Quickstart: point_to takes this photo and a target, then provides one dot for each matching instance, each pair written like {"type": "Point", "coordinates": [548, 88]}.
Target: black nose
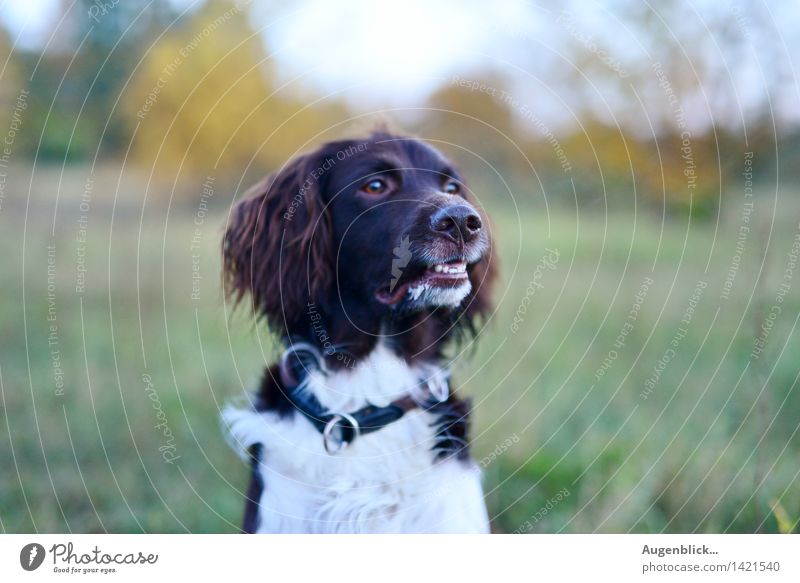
{"type": "Point", "coordinates": [459, 222]}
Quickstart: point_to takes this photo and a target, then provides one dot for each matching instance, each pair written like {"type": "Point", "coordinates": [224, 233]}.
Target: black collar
{"type": "Point", "coordinates": [341, 429]}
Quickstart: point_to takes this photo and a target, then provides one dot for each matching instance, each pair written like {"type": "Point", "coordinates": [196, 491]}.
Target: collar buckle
{"type": "Point", "coordinates": [430, 391]}
{"type": "Point", "coordinates": [333, 436]}
{"type": "Point", "coordinates": [438, 387]}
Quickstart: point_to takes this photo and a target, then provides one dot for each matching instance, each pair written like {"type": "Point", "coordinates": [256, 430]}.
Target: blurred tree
{"type": "Point", "coordinates": [75, 81]}
{"type": "Point", "coordinates": [470, 103]}
{"type": "Point", "coordinates": [473, 113]}
{"type": "Point", "coordinates": [205, 100]}
{"type": "Point", "coordinates": [113, 40]}
{"type": "Point", "coordinates": [667, 171]}
{"type": "Point", "coordinates": [641, 80]}
{"type": "Point", "coordinates": [9, 76]}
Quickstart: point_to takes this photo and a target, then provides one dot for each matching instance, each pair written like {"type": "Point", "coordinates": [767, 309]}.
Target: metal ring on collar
{"type": "Point", "coordinates": [332, 445]}
{"type": "Point", "coordinates": [287, 374]}
{"type": "Point", "coordinates": [438, 388]}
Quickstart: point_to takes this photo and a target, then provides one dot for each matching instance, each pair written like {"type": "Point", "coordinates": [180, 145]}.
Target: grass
{"type": "Point", "coordinates": [712, 448]}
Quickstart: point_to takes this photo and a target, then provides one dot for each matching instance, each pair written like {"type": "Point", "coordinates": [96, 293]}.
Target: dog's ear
{"type": "Point", "coordinates": [277, 246]}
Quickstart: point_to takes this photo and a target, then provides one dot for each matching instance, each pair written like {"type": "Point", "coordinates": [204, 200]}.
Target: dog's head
{"type": "Point", "coordinates": [364, 231]}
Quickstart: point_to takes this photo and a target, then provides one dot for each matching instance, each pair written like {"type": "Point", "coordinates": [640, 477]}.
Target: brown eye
{"type": "Point", "coordinates": [375, 186]}
{"type": "Point", "coordinates": [452, 187]}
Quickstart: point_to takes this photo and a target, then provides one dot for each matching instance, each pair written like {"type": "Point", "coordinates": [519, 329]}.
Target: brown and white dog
{"type": "Point", "coordinates": [367, 258]}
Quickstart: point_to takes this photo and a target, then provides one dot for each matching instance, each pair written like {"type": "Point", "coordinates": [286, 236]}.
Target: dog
{"type": "Point", "coordinates": [368, 259]}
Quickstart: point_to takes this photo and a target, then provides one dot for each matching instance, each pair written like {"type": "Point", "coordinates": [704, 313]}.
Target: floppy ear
{"type": "Point", "coordinates": [277, 246]}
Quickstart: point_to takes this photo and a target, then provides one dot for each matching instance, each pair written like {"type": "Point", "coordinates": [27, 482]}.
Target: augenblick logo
{"type": "Point", "coordinates": [67, 560]}
{"type": "Point", "coordinates": [681, 550]}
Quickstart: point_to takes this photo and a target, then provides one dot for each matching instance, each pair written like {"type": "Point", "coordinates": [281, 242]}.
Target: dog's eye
{"type": "Point", "coordinates": [375, 186]}
{"type": "Point", "coordinates": [452, 187]}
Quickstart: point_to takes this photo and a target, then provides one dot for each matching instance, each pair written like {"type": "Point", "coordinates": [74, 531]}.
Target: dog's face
{"type": "Point", "coordinates": [406, 237]}
{"type": "Point", "coordinates": [368, 229]}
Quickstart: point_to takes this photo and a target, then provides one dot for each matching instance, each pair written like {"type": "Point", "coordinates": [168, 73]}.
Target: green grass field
{"type": "Point", "coordinates": [102, 384]}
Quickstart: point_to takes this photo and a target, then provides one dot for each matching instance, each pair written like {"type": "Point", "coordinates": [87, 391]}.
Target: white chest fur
{"type": "Point", "coordinates": [385, 482]}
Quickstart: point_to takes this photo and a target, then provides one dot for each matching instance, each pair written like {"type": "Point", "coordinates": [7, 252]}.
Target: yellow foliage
{"type": "Point", "coordinates": [203, 101]}
{"type": "Point", "coordinates": [785, 524]}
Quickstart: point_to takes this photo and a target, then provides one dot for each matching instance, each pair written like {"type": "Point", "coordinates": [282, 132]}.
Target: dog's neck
{"type": "Point", "coordinates": [379, 378]}
{"type": "Point", "coordinates": [348, 335]}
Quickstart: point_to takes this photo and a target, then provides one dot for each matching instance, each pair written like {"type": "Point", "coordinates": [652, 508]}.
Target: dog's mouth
{"type": "Point", "coordinates": [451, 273]}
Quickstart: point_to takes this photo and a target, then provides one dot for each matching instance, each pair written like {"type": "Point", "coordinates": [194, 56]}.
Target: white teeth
{"type": "Point", "coordinates": [451, 268]}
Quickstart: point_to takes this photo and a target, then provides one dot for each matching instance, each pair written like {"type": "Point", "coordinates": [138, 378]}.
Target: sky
{"type": "Point", "coordinates": [392, 53]}
{"type": "Point", "coordinates": [28, 20]}
{"type": "Point", "coordinates": [398, 50]}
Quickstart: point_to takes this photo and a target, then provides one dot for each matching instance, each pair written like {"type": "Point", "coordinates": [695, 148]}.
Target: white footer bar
{"type": "Point", "coordinates": [408, 558]}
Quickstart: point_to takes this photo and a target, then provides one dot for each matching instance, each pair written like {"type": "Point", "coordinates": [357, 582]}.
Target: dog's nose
{"type": "Point", "coordinates": [459, 222]}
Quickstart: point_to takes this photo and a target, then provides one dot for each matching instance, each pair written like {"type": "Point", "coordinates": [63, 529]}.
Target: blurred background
{"type": "Point", "coordinates": [641, 167]}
